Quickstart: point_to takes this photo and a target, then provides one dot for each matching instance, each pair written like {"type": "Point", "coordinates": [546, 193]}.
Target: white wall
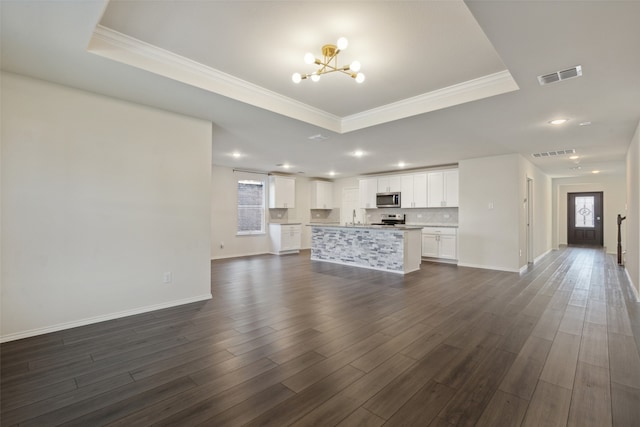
{"type": "Point", "coordinates": [613, 188]}
{"type": "Point", "coordinates": [224, 223]}
{"type": "Point", "coordinates": [488, 215]}
{"type": "Point", "coordinates": [541, 209]}
{"type": "Point", "coordinates": [99, 199]}
{"type": "Point", "coordinates": [632, 223]}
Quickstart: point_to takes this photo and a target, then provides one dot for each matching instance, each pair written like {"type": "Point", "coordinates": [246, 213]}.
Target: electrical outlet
{"type": "Point", "coordinates": [490, 205]}
{"type": "Point", "coordinates": [167, 277]}
{"type": "Point", "coordinates": [419, 215]}
{"type": "Point", "coordinates": [317, 215]}
{"type": "Point", "coordinates": [279, 215]}
{"type": "Point", "coordinates": [221, 245]}
{"type": "Point", "coordinates": [447, 216]}
{"type": "Point", "coordinates": [520, 252]}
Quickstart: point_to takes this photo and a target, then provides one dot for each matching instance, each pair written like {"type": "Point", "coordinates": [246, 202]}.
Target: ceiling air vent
{"type": "Point", "coordinates": [318, 137]}
{"type": "Point", "coordinates": [557, 76]}
{"type": "Point", "coordinates": [553, 153]}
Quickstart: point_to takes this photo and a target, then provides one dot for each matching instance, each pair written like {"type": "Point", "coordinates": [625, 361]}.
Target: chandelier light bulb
{"type": "Point", "coordinates": [355, 66]}
{"type": "Point", "coordinates": [315, 77]}
{"type": "Point", "coordinates": [309, 58]}
{"type": "Point", "coordinates": [342, 43]}
{"type": "Point", "coordinates": [359, 77]}
{"type": "Point", "coordinates": [297, 78]}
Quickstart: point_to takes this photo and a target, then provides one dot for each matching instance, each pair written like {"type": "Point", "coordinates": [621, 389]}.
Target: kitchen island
{"type": "Point", "coordinates": [396, 249]}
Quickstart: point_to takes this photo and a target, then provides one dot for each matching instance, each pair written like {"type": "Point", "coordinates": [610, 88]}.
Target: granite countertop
{"type": "Point", "coordinates": [435, 224]}
{"type": "Point", "coordinates": [372, 227]}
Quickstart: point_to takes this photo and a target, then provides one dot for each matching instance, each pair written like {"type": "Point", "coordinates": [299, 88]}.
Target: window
{"type": "Point", "coordinates": [584, 211]}
{"type": "Point", "coordinates": [251, 205]}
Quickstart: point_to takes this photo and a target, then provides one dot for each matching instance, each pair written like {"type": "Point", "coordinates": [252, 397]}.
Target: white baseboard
{"type": "Point", "coordinates": [489, 267]}
{"type": "Point", "coordinates": [83, 322]}
{"type": "Point", "coordinates": [633, 286]}
{"type": "Point", "coordinates": [238, 255]}
{"type": "Point", "coordinates": [538, 258]}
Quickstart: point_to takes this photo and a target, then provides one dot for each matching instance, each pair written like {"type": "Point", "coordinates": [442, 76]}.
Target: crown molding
{"type": "Point", "coordinates": [128, 50]}
{"type": "Point", "coordinates": [472, 90]}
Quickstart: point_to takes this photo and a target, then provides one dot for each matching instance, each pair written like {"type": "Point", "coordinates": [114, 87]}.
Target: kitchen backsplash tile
{"type": "Point", "coordinates": [325, 215]}
{"type": "Point", "coordinates": [417, 216]}
{"type": "Point", "coordinates": [278, 215]}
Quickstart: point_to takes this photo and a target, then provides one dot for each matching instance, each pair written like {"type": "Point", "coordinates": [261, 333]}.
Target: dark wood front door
{"type": "Point", "coordinates": [584, 218]}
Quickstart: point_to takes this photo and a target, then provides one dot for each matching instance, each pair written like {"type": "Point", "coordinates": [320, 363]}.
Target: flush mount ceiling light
{"type": "Point", "coordinates": [558, 121]}
{"type": "Point", "coordinates": [358, 153]}
{"type": "Point", "coordinates": [329, 63]}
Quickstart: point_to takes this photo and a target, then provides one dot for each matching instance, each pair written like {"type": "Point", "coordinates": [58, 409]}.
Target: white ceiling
{"type": "Point", "coordinates": [446, 81]}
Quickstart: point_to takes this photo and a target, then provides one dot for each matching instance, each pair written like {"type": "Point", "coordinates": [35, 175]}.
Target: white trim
{"type": "Point", "coordinates": [128, 50]}
{"type": "Point", "coordinates": [539, 257]}
{"type": "Point", "coordinates": [239, 255]}
{"type": "Point", "coordinates": [472, 90]}
{"type": "Point", "coordinates": [102, 318]}
{"type": "Point", "coordinates": [131, 51]}
{"type": "Point", "coordinates": [490, 267]}
{"type": "Point", "coordinates": [633, 287]}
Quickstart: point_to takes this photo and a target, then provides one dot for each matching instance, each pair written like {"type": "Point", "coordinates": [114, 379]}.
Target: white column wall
{"type": "Point", "coordinates": [100, 199]}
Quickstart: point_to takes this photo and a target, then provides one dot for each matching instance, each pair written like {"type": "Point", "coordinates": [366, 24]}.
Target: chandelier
{"type": "Point", "coordinates": [329, 64]}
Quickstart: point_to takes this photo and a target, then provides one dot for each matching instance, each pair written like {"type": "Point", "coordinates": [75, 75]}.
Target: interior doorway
{"type": "Point", "coordinates": [529, 221]}
{"type": "Point", "coordinates": [585, 218]}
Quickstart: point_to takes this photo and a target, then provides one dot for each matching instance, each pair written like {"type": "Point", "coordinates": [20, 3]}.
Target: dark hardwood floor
{"type": "Point", "coordinates": [287, 341]}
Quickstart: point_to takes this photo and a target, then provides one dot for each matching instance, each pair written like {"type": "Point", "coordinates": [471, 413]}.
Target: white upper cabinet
{"type": "Point", "coordinates": [389, 184]}
{"type": "Point", "coordinates": [414, 191]}
{"type": "Point", "coordinates": [442, 189]}
{"type": "Point", "coordinates": [282, 192]}
{"type": "Point", "coordinates": [368, 189]}
{"type": "Point", "coordinates": [321, 195]}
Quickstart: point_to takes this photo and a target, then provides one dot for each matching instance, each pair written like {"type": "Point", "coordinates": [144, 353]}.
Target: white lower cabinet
{"type": "Point", "coordinates": [285, 238]}
{"type": "Point", "coordinates": [440, 242]}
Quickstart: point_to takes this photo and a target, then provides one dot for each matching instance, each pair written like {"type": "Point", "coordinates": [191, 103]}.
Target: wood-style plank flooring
{"type": "Point", "coordinates": [287, 341]}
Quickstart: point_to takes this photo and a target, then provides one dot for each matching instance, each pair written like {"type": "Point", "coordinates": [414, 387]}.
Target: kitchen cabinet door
{"type": "Point", "coordinates": [282, 192]}
{"type": "Point", "coordinates": [435, 189]}
{"type": "Point", "coordinates": [389, 184]}
{"type": "Point", "coordinates": [448, 247]}
{"type": "Point", "coordinates": [430, 245]}
{"type": "Point", "coordinates": [285, 238]}
{"type": "Point", "coordinates": [451, 188]}
{"type": "Point", "coordinates": [321, 195]}
{"type": "Point", "coordinates": [414, 191]}
{"type": "Point", "coordinates": [368, 188]}
{"type": "Point", "coordinates": [406, 192]}
{"type": "Point", "coordinates": [442, 189]}
{"type": "Point", "coordinates": [420, 190]}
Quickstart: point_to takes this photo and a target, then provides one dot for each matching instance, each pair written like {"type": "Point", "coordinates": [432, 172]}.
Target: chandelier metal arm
{"type": "Point", "coordinates": [329, 65]}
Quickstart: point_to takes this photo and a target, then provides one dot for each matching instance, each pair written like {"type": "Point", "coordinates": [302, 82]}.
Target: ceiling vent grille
{"type": "Point", "coordinates": [558, 76]}
{"type": "Point", "coordinates": [553, 153]}
{"type": "Point", "coordinates": [318, 137]}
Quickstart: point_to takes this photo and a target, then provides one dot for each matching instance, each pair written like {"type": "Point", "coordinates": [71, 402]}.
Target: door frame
{"type": "Point", "coordinates": [529, 221]}
{"type": "Point", "coordinates": [571, 219]}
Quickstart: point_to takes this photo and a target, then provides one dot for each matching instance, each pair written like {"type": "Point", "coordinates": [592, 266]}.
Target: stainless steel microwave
{"type": "Point", "coordinates": [388, 200]}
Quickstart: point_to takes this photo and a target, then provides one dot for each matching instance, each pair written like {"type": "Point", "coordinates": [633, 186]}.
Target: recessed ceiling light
{"type": "Point", "coordinates": [595, 171]}
{"type": "Point", "coordinates": [236, 154]}
{"type": "Point", "coordinates": [585, 123]}
{"type": "Point", "coordinates": [401, 164]}
{"type": "Point", "coordinates": [576, 168]}
{"type": "Point", "coordinates": [558, 121]}
{"type": "Point", "coordinates": [574, 157]}
{"type": "Point", "coordinates": [332, 173]}
{"type": "Point", "coordinates": [286, 166]}
{"type": "Point", "coordinates": [358, 153]}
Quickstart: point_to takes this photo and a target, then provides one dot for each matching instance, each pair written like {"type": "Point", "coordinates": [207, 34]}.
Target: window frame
{"type": "Point", "coordinates": [262, 207]}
